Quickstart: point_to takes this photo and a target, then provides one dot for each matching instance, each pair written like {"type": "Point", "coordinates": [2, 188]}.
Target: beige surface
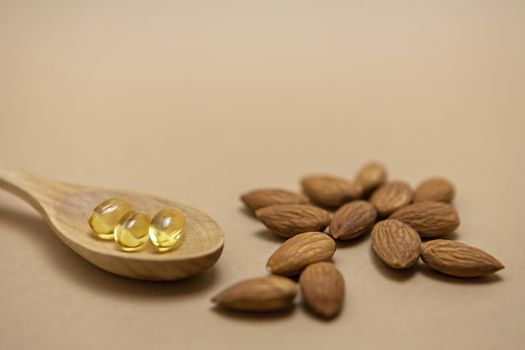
{"type": "Point", "coordinates": [201, 101]}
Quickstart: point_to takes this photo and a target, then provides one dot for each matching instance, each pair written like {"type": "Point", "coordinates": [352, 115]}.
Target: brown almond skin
{"type": "Point", "coordinates": [264, 294]}
{"type": "Point", "coordinates": [429, 219]}
{"type": "Point", "coordinates": [323, 289]}
{"type": "Point", "coordinates": [287, 220]}
{"type": "Point", "coordinates": [300, 251]}
{"type": "Point", "coordinates": [266, 197]}
{"type": "Point", "coordinates": [458, 259]}
{"type": "Point", "coordinates": [391, 196]}
{"type": "Point", "coordinates": [353, 220]}
{"type": "Point", "coordinates": [396, 244]}
{"type": "Point", "coordinates": [370, 177]}
{"type": "Point", "coordinates": [435, 189]}
{"type": "Point", "coordinates": [329, 191]}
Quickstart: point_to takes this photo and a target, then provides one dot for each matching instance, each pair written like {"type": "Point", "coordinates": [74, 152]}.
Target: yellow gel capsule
{"type": "Point", "coordinates": [167, 229]}
{"type": "Point", "coordinates": [131, 232]}
{"type": "Point", "coordinates": [107, 215]}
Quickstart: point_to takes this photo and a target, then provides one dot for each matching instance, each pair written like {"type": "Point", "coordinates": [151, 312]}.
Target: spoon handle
{"type": "Point", "coordinates": [39, 192]}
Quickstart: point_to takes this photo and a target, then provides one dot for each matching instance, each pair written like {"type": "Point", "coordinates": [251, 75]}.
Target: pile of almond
{"type": "Point", "coordinates": [397, 217]}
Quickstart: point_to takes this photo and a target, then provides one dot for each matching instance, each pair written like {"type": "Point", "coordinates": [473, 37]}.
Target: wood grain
{"type": "Point", "coordinates": [67, 207]}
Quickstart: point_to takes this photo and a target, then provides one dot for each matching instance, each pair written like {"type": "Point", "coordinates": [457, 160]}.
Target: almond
{"type": "Point", "coordinates": [353, 220]}
{"type": "Point", "coordinates": [429, 219]}
{"type": "Point", "coordinates": [287, 220]}
{"type": "Point", "coordinates": [265, 197]}
{"type": "Point", "coordinates": [323, 289]}
{"type": "Point", "coordinates": [458, 259]}
{"type": "Point", "coordinates": [262, 294]}
{"type": "Point", "coordinates": [329, 191]}
{"type": "Point", "coordinates": [391, 196]}
{"type": "Point", "coordinates": [396, 243]}
{"type": "Point", "coordinates": [435, 189]}
{"type": "Point", "coordinates": [300, 251]}
{"type": "Point", "coordinates": [370, 176]}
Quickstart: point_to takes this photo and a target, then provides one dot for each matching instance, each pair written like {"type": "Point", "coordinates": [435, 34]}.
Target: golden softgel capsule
{"type": "Point", "coordinates": [131, 232]}
{"type": "Point", "coordinates": [167, 229]}
{"type": "Point", "coordinates": [107, 215]}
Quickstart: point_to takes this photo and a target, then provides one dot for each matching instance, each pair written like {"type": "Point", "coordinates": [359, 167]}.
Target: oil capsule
{"type": "Point", "coordinates": [131, 232]}
{"type": "Point", "coordinates": [167, 229]}
{"type": "Point", "coordinates": [107, 215]}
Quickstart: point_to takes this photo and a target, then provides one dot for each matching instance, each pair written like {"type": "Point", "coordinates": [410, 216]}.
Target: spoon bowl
{"type": "Point", "coordinates": [67, 207]}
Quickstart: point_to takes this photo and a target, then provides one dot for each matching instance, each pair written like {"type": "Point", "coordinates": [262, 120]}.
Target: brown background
{"type": "Point", "coordinates": [199, 101]}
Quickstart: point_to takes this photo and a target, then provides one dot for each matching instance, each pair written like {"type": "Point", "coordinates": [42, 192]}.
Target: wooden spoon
{"type": "Point", "coordinates": [67, 207]}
